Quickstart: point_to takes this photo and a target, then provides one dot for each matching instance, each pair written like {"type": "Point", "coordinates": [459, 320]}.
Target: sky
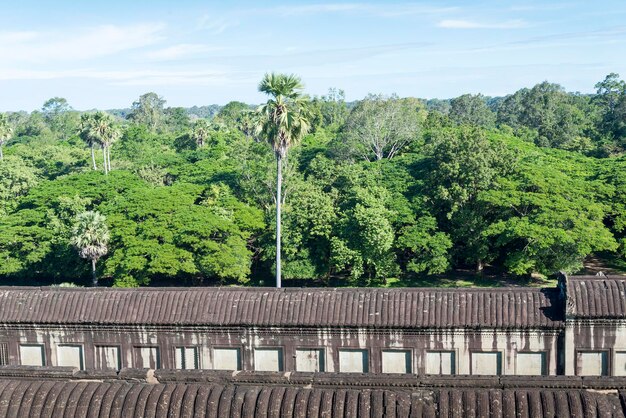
{"type": "Point", "coordinates": [105, 54]}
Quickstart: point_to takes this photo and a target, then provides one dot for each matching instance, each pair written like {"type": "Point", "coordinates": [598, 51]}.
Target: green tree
{"type": "Point", "coordinates": [181, 232]}
{"type": "Point", "coordinates": [16, 179]}
{"type": "Point", "coordinates": [177, 119]}
{"type": "Point", "coordinates": [330, 110]}
{"type": "Point", "coordinates": [461, 163]}
{"type": "Point", "coordinates": [6, 131]}
{"type": "Point", "coordinates": [363, 242]}
{"type": "Point", "coordinates": [548, 212]}
{"type": "Point", "coordinates": [472, 109]}
{"type": "Point", "coordinates": [232, 112]}
{"type": "Point", "coordinates": [59, 115]}
{"type": "Point", "coordinates": [424, 247]}
{"type": "Point", "coordinates": [555, 116]}
{"type": "Point", "coordinates": [88, 135]}
{"type": "Point", "coordinates": [611, 98]}
{"type": "Point", "coordinates": [90, 237]}
{"type": "Point", "coordinates": [309, 217]}
{"type": "Point", "coordinates": [148, 110]}
{"type": "Point", "coordinates": [201, 132]}
{"type": "Point", "coordinates": [381, 127]}
{"type": "Point", "coordinates": [101, 127]}
{"type": "Point", "coordinates": [284, 122]}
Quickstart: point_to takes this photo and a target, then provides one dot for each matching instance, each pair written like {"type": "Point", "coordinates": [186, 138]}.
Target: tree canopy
{"type": "Point", "coordinates": [378, 189]}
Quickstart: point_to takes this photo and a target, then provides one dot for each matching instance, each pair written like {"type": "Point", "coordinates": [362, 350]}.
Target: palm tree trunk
{"type": "Point", "coordinates": [93, 157]}
{"type": "Point", "coordinates": [279, 183]}
{"type": "Point", "coordinates": [94, 278]}
{"type": "Point", "coordinates": [104, 159]}
{"type": "Point", "coordinates": [1, 154]}
{"type": "Point", "coordinates": [109, 157]}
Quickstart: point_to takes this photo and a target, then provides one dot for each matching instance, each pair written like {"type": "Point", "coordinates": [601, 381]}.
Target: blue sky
{"type": "Point", "coordinates": [106, 54]}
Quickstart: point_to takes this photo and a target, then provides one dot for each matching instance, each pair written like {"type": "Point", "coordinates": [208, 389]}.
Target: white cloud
{"type": "Point", "coordinates": [321, 8]}
{"type": "Point", "coordinates": [385, 10]}
{"type": "Point", "coordinates": [20, 36]}
{"type": "Point", "coordinates": [215, 25]}
{"type": "Point", "coordinates": [140, 77]}
{"type": "Point", "coordinates": [540, 7]}
{"type": "Point", "coordinates": [79, 44]}
{"type": "Point", "coordinates": [470, 24]}
{"type": "Point", "coordinates": [179, 51]}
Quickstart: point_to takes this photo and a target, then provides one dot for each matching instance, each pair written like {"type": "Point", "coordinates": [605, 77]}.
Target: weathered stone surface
{"type": "Point", "coordinates": [84, 398]}
{"type": "Point", "coordinates": [517, 308]}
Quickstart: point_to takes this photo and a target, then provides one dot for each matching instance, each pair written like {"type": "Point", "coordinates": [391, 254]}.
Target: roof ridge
{"type": "Point", "coordinates": [284, 289]}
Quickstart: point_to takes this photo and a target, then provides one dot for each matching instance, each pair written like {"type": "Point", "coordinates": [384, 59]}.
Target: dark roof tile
{"type": "Point", "coordinates": [593, 297]}
{"type": "Point", "coordinates": [380, 308]}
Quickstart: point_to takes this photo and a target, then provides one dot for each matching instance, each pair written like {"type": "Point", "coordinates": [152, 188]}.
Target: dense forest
{"type": "Point", "coordinates": [385, 187]}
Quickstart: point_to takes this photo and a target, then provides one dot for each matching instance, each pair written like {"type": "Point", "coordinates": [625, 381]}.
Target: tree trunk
{"type": "Point", "coordinates": [94, 278]}
{"type": "Point", "coordinates": [104, 160]}
{"type": "Point", "coordinates": [93, 157]}
{"type": "Point", "coordinates": [109, 158]}
{"type": "Point", "coordinates": [1, 154]}
{"type": "Point", "coordinates": [479, 266]}
{"type": "Point", "coordinates": [279, 183]}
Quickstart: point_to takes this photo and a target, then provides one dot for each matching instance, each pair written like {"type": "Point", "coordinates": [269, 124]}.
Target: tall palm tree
{"type": "Point", "coordinates": [6, 131]}
{"type": "Point", "coordinates": [85, 132]}
{"type": "Point", "coordinates": [90, 236]}
{"type": "Point", "coordinates": [200, 132]}
{"type": "Point", "coordinates": [106, 131]}
{"type": "Point", "coordinates": [283, 121]}
{"type": "Point", "coordinates": [247, 123]}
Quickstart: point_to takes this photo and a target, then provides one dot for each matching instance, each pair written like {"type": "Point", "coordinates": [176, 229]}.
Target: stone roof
{"type": "Point", "coordinates": [298, 307]}
{"type": "Point", "coordinates": [69, 393]}
{"type": "Point", "coordinates": [596, 297]}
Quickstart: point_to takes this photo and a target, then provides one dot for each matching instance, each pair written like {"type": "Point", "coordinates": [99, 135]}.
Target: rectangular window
{"type": "Point", "coordinates": [353, 361]}
{"type": "Point", "coordinates": [309, 360]}
{"type": "Point", "coordinates": [531, 364]}
{"type": "Point", "coordinates": [620, 363]}
{"type": "Point", "coordinates": [32, 355]}
{"type": "Point", "coordinates": [592, 363]}
{"type": "Point", "coordinates": [440, 362]}
{"type": "Point", "coordinates": [396, 361]}
{"type": "Point", "coordinates": [187, 358]}
{"type": "Point", "coordinates": [107, 357]}
{"type": "Point", "coordinates": [268, 359]}
{"type": "Point", "coordinates": [147, 357]}
{"type": "Point", "coordinates": [70, 356]}
{"type": "Point", "coordinates": [4, 354]}
{"type": "Point", "coordinates": [227, 359]}
{"type": "Point", "coordinates": [486, 362]}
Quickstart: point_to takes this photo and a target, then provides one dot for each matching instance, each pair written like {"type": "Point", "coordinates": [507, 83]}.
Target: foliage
{"type": "Point", "coordinates": [90, 237]}
{"type": "Point", "coordinates": [611, 98]}
{"type": "Point", "coordinates": [6, 131]}
{"type": "Point", "coordinates": [283, 121]}
{"type": "Point", "coordinates": [472, 109]}
{"type": "Point", "coordinates": [148, 110]}
{"type": "Point", "coordinates": [380, 127]}
{"type": "Point", "coordinates": [381, 191]}
{"type": "Point", "coordinates": [16, 179]}
{"type": "Point", "coordinates": [100, 128]}
{"type": "Point", "coordinates": [557, 118]}
{"type": "Point", "coordinates": [200, 132]}
{"type": "Point", "coordinates": [549, 214]}
{"type": "Point", "coordinates": [284, 118]}
{"type": "Point", "coordinates": [60, 116]}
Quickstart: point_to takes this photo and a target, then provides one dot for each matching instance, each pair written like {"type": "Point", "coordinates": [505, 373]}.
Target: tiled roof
{"type": "Point", "coordinates": [72, 399]}
{"type": "Point", "coordinates": [596, 297]}
{"type": "Point", "coordinates": [532, 403]}
{"type": "Point", "coordinates": [103, 399]}
{"type": "Point", "coordinates": [303, 307]}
